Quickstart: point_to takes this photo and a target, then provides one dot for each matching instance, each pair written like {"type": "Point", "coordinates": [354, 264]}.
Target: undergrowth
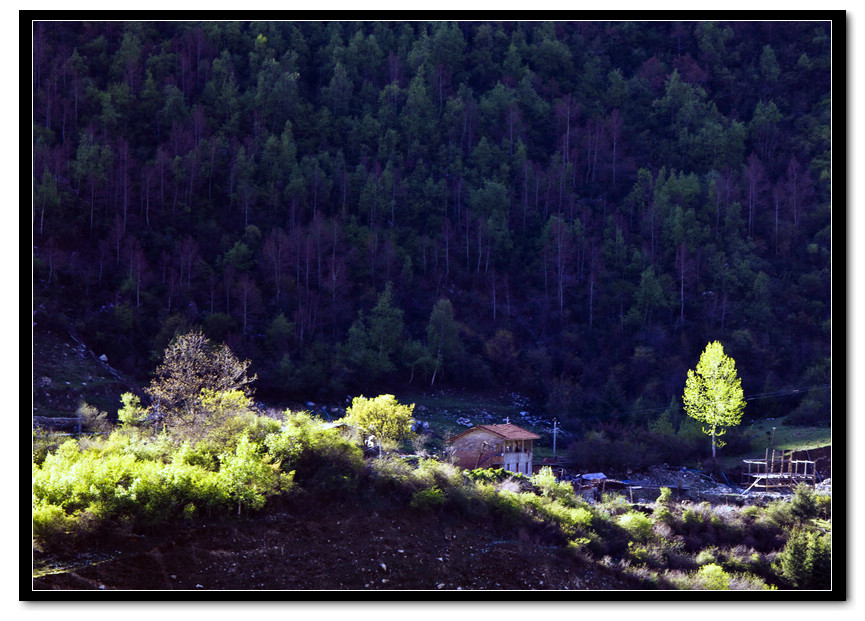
{"type": "Point", "coordinates": [135, 480]}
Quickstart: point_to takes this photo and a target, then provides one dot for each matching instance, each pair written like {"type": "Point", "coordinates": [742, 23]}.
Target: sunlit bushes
{"type": "Point", "coordinates": [638, 525]}
{"type": "Point", "coordinates": [134, 480]}
{"type": "Point", "coordinates": [572, 520]}
{"type": "Point", "coordinates": [709, 577]}
{"type": "Point", "coordinates": [73, 487]}
{"type": "Point", "coordinates": [324, 461]}
{"type": "Point", "coordinates": [138, 481]}
{"type": "Point", "coordinates": [713, 577]}
{"type": "Point", "coordinates": [547, 484]}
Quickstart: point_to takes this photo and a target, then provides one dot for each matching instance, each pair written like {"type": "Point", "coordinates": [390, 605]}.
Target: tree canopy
{"type": "Point", "coordinates": [593, 189]}
{"type": "Point", "coordinates": [382, 417]}
{"type": "Point", "coordinates": [198, 385]}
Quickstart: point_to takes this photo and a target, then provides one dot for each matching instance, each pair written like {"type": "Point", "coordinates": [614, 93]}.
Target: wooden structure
{"type": "Point", "coordinates": [783, 472]}
{"type": "Point", "coordinates": [495, 446]}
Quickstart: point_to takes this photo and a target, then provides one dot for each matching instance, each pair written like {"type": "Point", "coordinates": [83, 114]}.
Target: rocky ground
{"type": "Point", "coordinates": [66, 373]}
{"type": "Point", "coordinates": [341, 549]}
{"type": "Point", "coordinates": [700, 486]}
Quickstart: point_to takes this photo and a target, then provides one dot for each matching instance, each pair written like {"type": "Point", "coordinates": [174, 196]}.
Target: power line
{"type": "Point", "coordinates": [766, 395]}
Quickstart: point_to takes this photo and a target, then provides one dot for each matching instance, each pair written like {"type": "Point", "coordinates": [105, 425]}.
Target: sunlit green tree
{"type": "Point", "coordinates": [713, 393]}
{"type": "Point", "coordinates": [382, 417]}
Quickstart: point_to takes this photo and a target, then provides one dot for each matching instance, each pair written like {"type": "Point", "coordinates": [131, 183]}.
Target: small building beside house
{"type": "Point", "coordinates": [495, 446]}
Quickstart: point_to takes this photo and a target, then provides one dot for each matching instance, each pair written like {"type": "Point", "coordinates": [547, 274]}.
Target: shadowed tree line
{"type": "Point", "coordinates": [571, 210]}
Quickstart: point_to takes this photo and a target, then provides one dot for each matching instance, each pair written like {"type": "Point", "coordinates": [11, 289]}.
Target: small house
{"type": "Point", "coordinates": [495, 446]}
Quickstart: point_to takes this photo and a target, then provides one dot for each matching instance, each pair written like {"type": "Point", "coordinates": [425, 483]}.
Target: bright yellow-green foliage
{"type": "Point", "coordinates": [323, 459]}
{"type": "Point", "coordinates": [145, 482]}
{"type": "Point", "coordinates": [382, 417]}
{"type": "Point", "coordinates": [713, 393]}
{"type": "Point", "coordinates": [223, 403]}
{"type": "Point", "coordinates": [248, 477]}
{"type": "Point", "coordinates": [549, 486]}
{"type": "Point", "coordinates": [713, 577]}
{"type": "Point", "coordinates": [132, 412]}
{"type": "Point", "coordinates": [113, 483]}
{"type": "Point", "coordinates": [638, 525]}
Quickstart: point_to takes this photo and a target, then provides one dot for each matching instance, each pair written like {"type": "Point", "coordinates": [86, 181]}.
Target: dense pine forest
{"type": "Point", "coordinates": [570, 210]}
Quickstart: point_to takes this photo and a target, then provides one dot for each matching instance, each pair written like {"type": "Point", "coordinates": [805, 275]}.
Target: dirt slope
{"type": "Point", "coordinates": [345, 548]}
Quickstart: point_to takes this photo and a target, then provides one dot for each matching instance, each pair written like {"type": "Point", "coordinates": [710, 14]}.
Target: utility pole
{"type": "Point", "coordinates": [555, 429]}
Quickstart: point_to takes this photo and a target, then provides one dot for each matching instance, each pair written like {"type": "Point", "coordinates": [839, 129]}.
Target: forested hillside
{"type": "Point", "coordinates": [568, 210]}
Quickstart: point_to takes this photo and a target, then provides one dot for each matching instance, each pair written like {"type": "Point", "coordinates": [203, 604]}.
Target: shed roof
{"type": "Point", "coordinates": [507, 431]}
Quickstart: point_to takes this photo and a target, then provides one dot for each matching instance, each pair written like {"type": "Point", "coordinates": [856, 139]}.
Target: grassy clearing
{"type": "Point", "coordinates": [787, 438]}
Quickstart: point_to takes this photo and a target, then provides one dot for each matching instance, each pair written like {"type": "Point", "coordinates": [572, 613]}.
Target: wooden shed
{"type": "Point", "coordinates": [495, 446]}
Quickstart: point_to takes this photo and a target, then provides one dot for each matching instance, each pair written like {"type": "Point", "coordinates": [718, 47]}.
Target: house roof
{"type": "Point", "coordinates": [506, 432]}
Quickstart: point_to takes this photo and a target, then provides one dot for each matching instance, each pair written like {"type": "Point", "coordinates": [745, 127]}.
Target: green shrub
{"type": "Point", "coordinates": [323, 459]}
{"type": "Point", "coordinates": [819, 561]}
{"type": "Point", "coordinates": [663, 515]}
{"type": "Point", "coordinates": [744, 560]}
{"type": "Point", "coordinates": [744, 581]}
{"type": "Point", "coordinates": [546, 481]}
{"type": "Point", "coordinates": [707, 556]}
{"type": "Point", "coordinates": [51, 524]}
{"type": "Point", "coordinates": [791, 560]}
{"type": "Point", "coordinates": [646, 554]}
{"type": "Point", "coordinates": [248, 477]}
{"type": "Point", "coordinates": [638, 525]}
{"type": "Point", "coordinates": [112, 485]}
{"type": "Point", "coordinates": [435, 472]}
{"type": "Point", "coordinates": [45, 443]}
{"type": "Point", "coordinates": [666, 496]}
{"type": "Point", "coordinates": [494, 475]}
{"type": "Point", "coordinates": [132, 412]}
{"type": "Point", "coordinates": [428, 498]}
{"type": "Point", "coordinates": [613, 503]}
{"type": "Point", "coordinates": [712, 577]}
{"type": "Point", "coordinates": [143, 444]}
{"type": "Point", "coordinates": [780, 514]}
{"type": "Point", "coordinates": [224, 437]}
{"type": "Point", "coordinates": [507, 505]}
{"type": "Point", "coordinates": [824, 505]}
{"type": "Point", "coordinates": [582, 517]}
{"type": "Point", "coordinates": [692, 519]}
{"type": "Point", "coordinates": [803, 505]}
{"type": "Point", "coordinates": [579, 545]}
{"type": "Point", "coordinates": [573, 520]}
{"type": "Point", "coordinates": [806, 560]}
{"type": "Point", "coordinates": [92, 419]}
